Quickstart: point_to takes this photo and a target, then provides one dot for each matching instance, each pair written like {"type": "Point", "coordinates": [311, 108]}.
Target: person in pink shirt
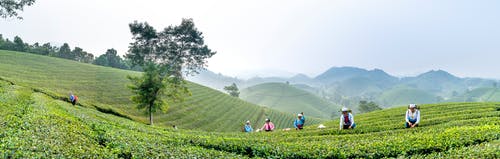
{"type": "Point", "coordinates": [268, 126]}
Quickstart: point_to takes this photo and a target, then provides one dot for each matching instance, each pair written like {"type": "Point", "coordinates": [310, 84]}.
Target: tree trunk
{"type": "Point", "coordinates": [151, 114]}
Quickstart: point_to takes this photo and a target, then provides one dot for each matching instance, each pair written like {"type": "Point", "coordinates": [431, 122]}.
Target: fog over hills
{"type": "Point", "coordinates": [348, 85]}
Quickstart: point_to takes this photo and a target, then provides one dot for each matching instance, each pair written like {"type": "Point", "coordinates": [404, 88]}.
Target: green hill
{"type": "Point", "coordinates": [286, 98]}
{"type": "Point", "coordinates": [105, 89]}
{"type": "Point", "coordinates": [404, 95]}
{"type": "Point", "coordinates": [483, 94]}
{"type": "Point", "coordinates": [356, 86]}
{"type": "Point", "coordinates": [35, 125]}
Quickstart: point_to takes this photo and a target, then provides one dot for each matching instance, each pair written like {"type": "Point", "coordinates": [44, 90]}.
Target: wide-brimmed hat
{"type": "Point", "coordinates": [299, 114]}
{"type": "Point", "coordinates": [268, 120]}
{"type": "Point", "coordinates": [412, 106]}
{"type": "Point", "coordinates": [344, 109]}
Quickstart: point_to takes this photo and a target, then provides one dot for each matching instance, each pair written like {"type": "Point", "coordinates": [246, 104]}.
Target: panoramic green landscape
{"type": "Point", "coordinates": [38, 124]}
{"type": "Point", "coordinates": [34, 104]}
{"type": "Point", "coordinates": [105, 89]}
{"type": "Point", "coordinates": [249, 79]}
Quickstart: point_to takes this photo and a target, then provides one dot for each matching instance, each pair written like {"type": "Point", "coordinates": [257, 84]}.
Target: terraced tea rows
{"type": "Point", "coordinates": [36, 125]}
{"type": "Point", "coordinates": [105, 88]}
{"type": "Point", "coordinates": [445, 128]}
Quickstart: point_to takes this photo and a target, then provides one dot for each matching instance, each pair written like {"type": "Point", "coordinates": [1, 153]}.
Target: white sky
{"type": "Point", "coordinates": [290, 36]}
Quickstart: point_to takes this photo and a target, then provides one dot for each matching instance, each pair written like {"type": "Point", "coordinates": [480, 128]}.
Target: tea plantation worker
{"type": "Point", "coordinates": [268, 126]}
{"type": "Point", "coordinates": [298, 123]}
{"type": "Point", "coordinates": [248, 127]}
{"type": "Point", "coordinates": [412, 116]}
{"type": "Point", "coordinates": [73, 98]}
{"type": "Point", "coordinates": [303, 117]}
{"type": "Point", "coordinates": [346, 119]}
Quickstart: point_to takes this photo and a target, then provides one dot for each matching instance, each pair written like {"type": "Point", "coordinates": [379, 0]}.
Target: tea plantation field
{"type": "Point", "coordinates": [36, 125]}
{"type": "Point", "coordinates": [105, 89]}
{"type": "Point", "coordinates": [37, 122]}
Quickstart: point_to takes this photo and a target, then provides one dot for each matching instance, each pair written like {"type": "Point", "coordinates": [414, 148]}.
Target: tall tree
{"type": "Point", "coordinates": [10, 8]}
{"type": "Point", "coordinates": [2, 41]}
{"type": "Point", "coordinates": [77, 54]}
{"type": "Point", "coordinates": [232, 90]}
{"type": "Point", "coordinates": [49, 49]}
{"type": "Point", "coordinates": [87, 57]}
{"type": "Point", "coordinates": [111, 59]}
{"type": "Point", "coordinates": [19, 45]}
{"type": "Point", "coordinates": [64, 51]}
{"type": "Point", "coordinates": [37, 49]}
{"type": "Point", "coordinates": [114, 60]}
{"type": "Point", "coordinates": [8, 45]}
{"type": "Point", "coordinates": [165, 57]}
{"type": "Point", "coordinates": [101, 60]}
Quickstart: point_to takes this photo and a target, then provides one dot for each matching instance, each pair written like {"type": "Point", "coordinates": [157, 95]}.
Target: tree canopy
{"type": "Point", "coordinates": [165, 57]}
{"type": "Point", "coordinates": [232, 90]}
{"type": "Point", "coordinates": [111, 59]}
{"type": "Point", "coordinates": [10, 8]}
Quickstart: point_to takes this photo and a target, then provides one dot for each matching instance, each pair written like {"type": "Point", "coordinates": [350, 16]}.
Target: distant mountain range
{"type": "Point", "coordinates": [288, 98]}
{"type": "Point", "coordinates": [348, 85]}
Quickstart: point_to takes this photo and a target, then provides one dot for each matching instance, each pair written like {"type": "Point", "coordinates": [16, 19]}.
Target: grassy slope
{"type": "Point", "coordinates": [479, 94]}
{"type": "Point", "coordinates": [401, 96]}
{"type": "Point", "coordinates": [287, 98]}
{"type": "Point", "coordinates": [36, 126]}
{"type": "Point", "coordinates": [105, 87]}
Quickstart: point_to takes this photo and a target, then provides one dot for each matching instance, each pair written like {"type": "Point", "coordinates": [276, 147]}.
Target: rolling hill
{"type": "Point", "coordinates": [405, 95]}
{"type": "Point", "coordinates": [35, 125]}
{"type": "Point", "coordinates": [339, 74]}
{"type": "Point", "coordinates": [287, 98]}
{"type": "Point", "coordinates": [105, 89]}
{"type": "Point", "coordinates": [348, 85]}
{"type": "Point", "coordinates": [438, 82]}
{"type": "Point", "coordinates": [214, 80]}
{"type": "Point", "coordinates": [483, 94]}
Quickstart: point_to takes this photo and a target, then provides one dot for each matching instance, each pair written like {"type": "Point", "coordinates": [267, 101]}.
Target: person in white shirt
{"type": "Point", "coordinates": [412, 116]}
{"type": "Point", "coordinates": [346, 120]}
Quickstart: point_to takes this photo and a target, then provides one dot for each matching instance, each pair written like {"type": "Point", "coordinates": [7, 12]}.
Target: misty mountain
{"type": "Point", "coordinates": [214, 80]}
{"type": "Point", "coordinates": [288, 98]}
{"type": "Point", "coordinates": [336, 74]}
{"type": "Point", "coordinates": [339, 74]}
{"type": "Point", "coordinates": [351, 81]}
{"type": "Point", "coordinates": [259, 80]}
{"type": "Point", "coordinates": [440, 82]}
{"type": "Point", "coordinates": [348, 85]}
{"type": "Point", "coordinates": [301, 79]}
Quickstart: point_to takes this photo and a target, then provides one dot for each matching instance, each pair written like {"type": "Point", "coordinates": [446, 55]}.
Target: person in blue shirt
{"type": "Point", "coordinates": [73, 98]}
{"type": "Point", "coordinates": [248, 127]}
{"type": "Point", "coordinates": [346, 119]}
{"type": "Point", "coordinates": [299, 122]}
{"type": "Point", "coordinates": [412, 116]}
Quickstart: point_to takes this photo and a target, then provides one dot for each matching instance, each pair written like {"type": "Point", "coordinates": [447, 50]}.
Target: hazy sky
{"type": "Point", "coordinates": [402, 37]}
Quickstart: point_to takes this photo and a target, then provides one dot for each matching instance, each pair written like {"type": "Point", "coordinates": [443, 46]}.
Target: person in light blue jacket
{"type": "Point", "coordinates": [299, 122]}
{"type": "Point", "coordinates": [412, 116]}
{"type": "Point", "coordinates": [248, 127]}
{"type": "Point", "coordinates": [347, 119]}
